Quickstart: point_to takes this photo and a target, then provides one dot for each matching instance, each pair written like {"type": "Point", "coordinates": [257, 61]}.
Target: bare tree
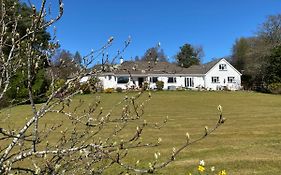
{"type": "Point", "coordinates": [88, 139]}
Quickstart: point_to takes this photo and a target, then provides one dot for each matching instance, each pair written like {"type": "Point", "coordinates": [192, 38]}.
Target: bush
{"type": "Point", "coordinates": [58, 84]}
{"type": "Point", "coordinates": [159, 85]}
{"type": "Point", "coordinates": [275, 88]}
{"type": "Point", "coordinates": [85, 87]}
{"type": "Point", "coordinates": [145, 86]}
{"type": "Point", "coordinates": [118, 89]}
{"type": "Point", "coordinates": [109, 90]}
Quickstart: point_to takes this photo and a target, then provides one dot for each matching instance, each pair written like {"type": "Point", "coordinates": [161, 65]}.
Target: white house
{"type": "Point", "coordinates": [215, 75]}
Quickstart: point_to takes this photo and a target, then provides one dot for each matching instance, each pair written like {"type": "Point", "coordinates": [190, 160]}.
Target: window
{"type": "Point", "coordinates": [215, 80]}
{"type": "Point", "coordinates": [230, 79]}
{"type": "Point", "coordinates": [122, 80]}
{"type": "Point", "coordinates": [189, 82]}
{"type": "Point", "coordinates": [172, 79]}
{"type": "Point", "coordinates": [153, 79]}
{"type": "Point", "coordinates": [222, 67]}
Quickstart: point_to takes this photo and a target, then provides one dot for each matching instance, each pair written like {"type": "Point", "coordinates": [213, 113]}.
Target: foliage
{"type": "Point", "coordinates": [20, 12]}
{"type": "Point", "coordinates": [59, 83]}
{"type": "Point", "coordinates": [145, 85]}
{"type": "Point", "coordinates": [159, 85]}
{"type": "Point", "coordinates": [109, 90]}
{"type": "Point", "coordinates": [240, 51]}
{"type": "Point", "coordinates": [273, 67]}
{"type": "Point", "coordinates": [275, 88]}
{"type": "Point", "coordinates": [252, 56]}
{"type": "Point", "coordinates": [189, 55]}
{"type": "Point", "coordinates": [119, 89]}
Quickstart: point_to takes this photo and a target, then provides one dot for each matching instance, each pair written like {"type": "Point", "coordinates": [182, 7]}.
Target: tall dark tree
{"type": "Point", "coordinates": [189, 55]}
{"type": "Point", "coordinates": [240, 52]}
{"type": "Point", "coordinates": [154, 54]}
{"type": "Point", "coordinates": [273, 68]}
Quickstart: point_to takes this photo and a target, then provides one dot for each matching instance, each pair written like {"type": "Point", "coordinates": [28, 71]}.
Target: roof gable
{"type": "Point", "coordinates": [213, 64]}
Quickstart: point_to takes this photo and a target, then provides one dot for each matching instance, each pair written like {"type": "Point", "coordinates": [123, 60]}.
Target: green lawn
{"type": "Point", "coordinates": [248, 143]}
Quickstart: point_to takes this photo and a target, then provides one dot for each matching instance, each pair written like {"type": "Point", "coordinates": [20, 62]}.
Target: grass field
{"type": "Point", "coordinates": [248, 143]}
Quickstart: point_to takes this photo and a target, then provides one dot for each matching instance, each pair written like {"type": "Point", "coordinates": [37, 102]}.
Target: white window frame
{"type": "Point", "coordinates": [222, 67]}
{"type": "Point", "coordinates": [215, 79]}
{"type": "Point", "coordinates": [231, 79]}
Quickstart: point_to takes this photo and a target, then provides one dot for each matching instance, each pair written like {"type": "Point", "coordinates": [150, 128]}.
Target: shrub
{"type": "Point", "coordinates": [118, 89]}
{"type": "Point", "coordinates": [109, 90]}
{"type": "Point", "coordinates": [275, 88]}
{"type": "Point", "coordinates": [85, 87]}
{"type": "Point", "coordinates": [145, 86]}
{"type": "Point", "coordinates": [58, 84]}
{"type": "Point", "coordinates": [159, 85]}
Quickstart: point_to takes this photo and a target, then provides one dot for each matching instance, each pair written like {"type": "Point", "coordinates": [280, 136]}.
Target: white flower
{"type": "Point", "coordinates": [212, 168]}
{"type": "Point", "coordinates": [202, 162]}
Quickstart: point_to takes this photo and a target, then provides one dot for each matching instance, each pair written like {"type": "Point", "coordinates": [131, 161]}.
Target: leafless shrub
{"type": "Point", "coordinates": [87, 140]}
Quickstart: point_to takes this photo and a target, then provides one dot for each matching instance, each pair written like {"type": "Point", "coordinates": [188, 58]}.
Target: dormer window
{"type": "Point", "coordinates": [222, 67]}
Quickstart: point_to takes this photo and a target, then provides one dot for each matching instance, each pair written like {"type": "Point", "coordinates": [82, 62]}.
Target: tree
{"type": "Point", "coordinates": [65, 64]}
{"type": "Point", "coordinates": [189, 55]}
{"type": "Point", "coordinates": [78, 58]}
{"type": "Point", "coordinates": [270, 31]}
{"type": "Point", "coordinates": [252, 55]}
{"type": "Point", "coordinates": [273, 68]}
{"type": "Point", "coordinates": [154, 54]}
{"type": "Point", "coordinates": [20, 13]}
{"type": "Point", "coordinates": [64, 135]}
{"type": "Point", "coordinates": [240, 52]}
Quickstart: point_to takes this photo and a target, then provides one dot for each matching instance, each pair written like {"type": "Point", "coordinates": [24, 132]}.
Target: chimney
{"type": "Point", "coordinates": [121, 60]}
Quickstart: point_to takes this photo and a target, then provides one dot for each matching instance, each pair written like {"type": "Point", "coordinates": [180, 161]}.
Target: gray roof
{"type": "Point", "coordinates": [146, 67]}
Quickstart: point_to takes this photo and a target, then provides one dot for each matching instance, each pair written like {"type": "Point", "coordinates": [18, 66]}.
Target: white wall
{"type": "Point", "coordinates": [223, 77]}
{"type": "Point", "coordinates": [180, 81]}
{"type": "Point", "coordinates": [108, 82]}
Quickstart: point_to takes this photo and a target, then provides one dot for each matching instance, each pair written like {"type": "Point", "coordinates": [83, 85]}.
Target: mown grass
{"type": "Point", "coordinates": [248, 143]}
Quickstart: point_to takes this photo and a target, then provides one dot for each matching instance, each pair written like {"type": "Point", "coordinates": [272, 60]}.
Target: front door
{"type": "Point", "coordinates": [140, 80]}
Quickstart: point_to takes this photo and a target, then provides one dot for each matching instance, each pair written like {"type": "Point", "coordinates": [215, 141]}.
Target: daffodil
{"type": "Point", "coordinates": [222, 172]}
{"type": "Point", "coordinates": [201, 168]}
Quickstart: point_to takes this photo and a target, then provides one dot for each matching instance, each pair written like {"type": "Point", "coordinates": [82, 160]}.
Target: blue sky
{"type": "Point", "coordinates": [212, 24]}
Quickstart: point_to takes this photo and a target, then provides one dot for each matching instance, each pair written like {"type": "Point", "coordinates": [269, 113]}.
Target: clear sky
{"type": "Point", "coordinates": [212, 24]}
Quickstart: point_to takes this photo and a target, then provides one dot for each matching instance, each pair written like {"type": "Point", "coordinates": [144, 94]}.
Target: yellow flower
{"type": "Point", "coordinates": [222, 172]}
{"type": "Point", "coordinates": [201, 168]}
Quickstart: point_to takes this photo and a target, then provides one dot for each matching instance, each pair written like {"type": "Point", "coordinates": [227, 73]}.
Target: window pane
{"type": "Point", "coordinates": [122, 80]}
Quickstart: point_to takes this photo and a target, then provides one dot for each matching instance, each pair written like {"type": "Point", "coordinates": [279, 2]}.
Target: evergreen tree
{"type": "Point", "coordinates": [273, 68]}
{"type": "Point", "coordinates": [188, 56]}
